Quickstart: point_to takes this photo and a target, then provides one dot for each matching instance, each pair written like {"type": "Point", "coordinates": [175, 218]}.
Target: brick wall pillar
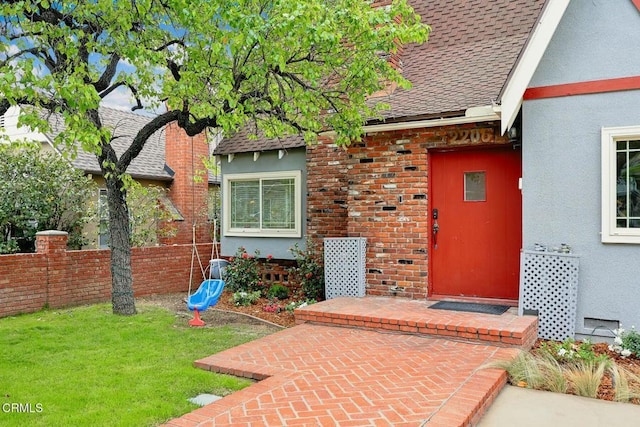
{"type": "Point", "coordinates": [51, 242]}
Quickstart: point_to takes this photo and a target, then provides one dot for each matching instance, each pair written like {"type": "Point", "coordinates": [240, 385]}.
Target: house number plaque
{"type": "Point", "coordinates": [470, 136]}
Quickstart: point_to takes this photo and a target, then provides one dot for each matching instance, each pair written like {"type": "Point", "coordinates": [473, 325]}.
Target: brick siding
{"type": "Point", "coordinates": [184, 156]}
{"type": "Point", "coordinates": [379, 189]}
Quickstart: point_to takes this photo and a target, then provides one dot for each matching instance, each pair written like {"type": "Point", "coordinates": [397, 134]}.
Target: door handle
{"type": "Point", "coordinates": [435, 228]}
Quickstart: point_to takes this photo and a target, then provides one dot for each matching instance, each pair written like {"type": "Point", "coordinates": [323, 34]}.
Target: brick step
{"type": "Point", "coordinates": [414, 317]}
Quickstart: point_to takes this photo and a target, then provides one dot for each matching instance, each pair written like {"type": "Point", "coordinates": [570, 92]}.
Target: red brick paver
{"type": "Point", "coordinates": [368, 362]}
{"type": "Point", "coordinates": [321, 375]}
{"type": "Point", "coordinates": [413, 316]}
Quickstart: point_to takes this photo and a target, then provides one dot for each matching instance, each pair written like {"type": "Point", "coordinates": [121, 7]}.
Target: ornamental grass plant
{"type": "Point", "coordinates": [575, 368]}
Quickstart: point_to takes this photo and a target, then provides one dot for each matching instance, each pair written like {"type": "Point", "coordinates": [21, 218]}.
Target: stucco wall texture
{"type": "Point", "coordinates": [562, 174]}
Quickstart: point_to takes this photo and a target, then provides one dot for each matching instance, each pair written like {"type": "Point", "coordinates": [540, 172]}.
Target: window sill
{"type": "Point", "coordinates": [262, 233]}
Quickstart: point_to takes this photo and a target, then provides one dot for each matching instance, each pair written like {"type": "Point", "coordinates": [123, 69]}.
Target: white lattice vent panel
{"type": "Point", "coordinates": [549, 285]}
{"type": "Point", "coordinates": [344, 266]}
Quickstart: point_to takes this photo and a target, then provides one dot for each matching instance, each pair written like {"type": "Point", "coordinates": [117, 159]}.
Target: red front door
{"type": "Point", "coordinates": [475, 197]}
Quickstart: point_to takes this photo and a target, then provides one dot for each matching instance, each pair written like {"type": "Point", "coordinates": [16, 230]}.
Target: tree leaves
{"type": "Point", "coordinates": [284, 66]}
{"type": "Point", "coordinates": [41, 191]}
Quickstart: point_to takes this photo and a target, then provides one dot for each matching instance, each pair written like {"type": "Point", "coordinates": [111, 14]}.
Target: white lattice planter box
{"type": "Point", "coordinates": [344, 266]}
{"type": "Point", "coordinates": [549, 286]}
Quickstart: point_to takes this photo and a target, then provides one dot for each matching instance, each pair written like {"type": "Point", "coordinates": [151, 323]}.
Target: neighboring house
{"type": "Point", "coordinates": [521, 128]}
{"type": "Point", "coordinates": [170, 159]}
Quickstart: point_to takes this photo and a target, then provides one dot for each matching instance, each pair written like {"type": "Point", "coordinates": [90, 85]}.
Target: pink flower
{"type": "Point", "coordinates": [245, 255]}
{"type": "Point", "coordinates": [269, 257]}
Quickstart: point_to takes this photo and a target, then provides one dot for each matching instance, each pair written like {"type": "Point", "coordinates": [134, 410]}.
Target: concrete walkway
{"type": "Point", "coordinates": [532, 408]}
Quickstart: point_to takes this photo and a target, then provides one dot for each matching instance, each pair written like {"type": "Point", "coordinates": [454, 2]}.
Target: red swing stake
{"type": "Point", "coordinates": [196, 321]}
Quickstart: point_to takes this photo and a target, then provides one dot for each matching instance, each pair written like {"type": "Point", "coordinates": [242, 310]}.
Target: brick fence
{"type": "Point", "coordinates": [56, 277]}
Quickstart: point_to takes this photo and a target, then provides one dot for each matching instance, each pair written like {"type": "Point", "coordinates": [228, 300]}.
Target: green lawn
{"type": "Point", "coordinates": [87, 367]}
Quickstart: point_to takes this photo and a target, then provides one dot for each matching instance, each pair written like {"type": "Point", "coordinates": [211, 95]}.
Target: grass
{"type": "Point", "coordinates": [86, 367]}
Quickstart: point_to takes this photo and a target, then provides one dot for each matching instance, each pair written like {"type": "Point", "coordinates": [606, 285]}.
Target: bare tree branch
{"type": "Point", "coordinates": [108, 74]}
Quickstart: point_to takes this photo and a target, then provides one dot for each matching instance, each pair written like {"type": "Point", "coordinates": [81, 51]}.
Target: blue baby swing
{"type": "Point", "coordinates": [210, 289]}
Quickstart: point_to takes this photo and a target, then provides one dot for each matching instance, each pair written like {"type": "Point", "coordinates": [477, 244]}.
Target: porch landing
{"type": "Point", "coordinates": [414, 317]}
{"type": "Point", "coordinates": [368, 362]}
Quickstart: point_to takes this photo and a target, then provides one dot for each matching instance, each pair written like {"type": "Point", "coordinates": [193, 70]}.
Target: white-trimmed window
{"type": "Point", "coordinates": [103, 216]}
{"type": "Point", "coordinates": [621, 184]}
{"type": "Point", "coordinates": [266, 204]}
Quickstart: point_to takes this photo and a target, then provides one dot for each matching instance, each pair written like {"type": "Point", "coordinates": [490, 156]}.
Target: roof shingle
{"type": "Point", "coordinates": [149, 164]}
{"type": "Point", "coordinates": [473, 46]}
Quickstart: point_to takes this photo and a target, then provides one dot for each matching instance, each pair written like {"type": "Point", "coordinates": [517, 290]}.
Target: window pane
{"type": "Point", "coordinates": [103, 224]}
{"type": "Point", "coordinates": [627, 191]}
{"type": "Point", "coordinates": [474, 187]}
{"type": "Point", "coordinates": [245, 204]}
{"type": "Point", "coordinates": [278, 204]}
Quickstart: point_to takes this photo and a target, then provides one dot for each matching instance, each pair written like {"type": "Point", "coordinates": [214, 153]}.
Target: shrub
{"type": "Point", "coordinates": [278, 291]}
{"type": "Point", "coordinates": [41, 191]}
{"type": "Point", "coordinates": [308, 271]}
{"type": "Point", "coordinates": [241, 275]}
{"type": "Point", "coordinates": [245, 298]}
{"type": "Point", "coordinates": [273, 307]}
{"type": "Point", "coordinates": [298, 304]}
{"type": "Point", "coordinates": [570, 351]}
{"type": "Point", "coordinates": [626, 343]}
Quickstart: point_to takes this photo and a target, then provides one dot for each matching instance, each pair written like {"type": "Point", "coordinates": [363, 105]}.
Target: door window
{"type": "Point", "coordinates": [474, 187]}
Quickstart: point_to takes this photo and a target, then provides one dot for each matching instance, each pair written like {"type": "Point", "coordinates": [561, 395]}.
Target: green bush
{"type": "Point", "coordinates": [308, 271]}
{"type": "Point", "coordinates": [631, 341]}
{"type": "Point", "coordinates": [626, 343]}
{"type": "Point", "coordinates": [298, 304]}
{"type": "Point", "coordinates": [241, 275]}
{"type": "Point", "coordinates": [278, 291]}
{"type": "Point", "coordinates": [245, 298]}
{"type": "Point", "coordinates": [41, 191]}
{"type": "Point", "coordinates": [570, 351]}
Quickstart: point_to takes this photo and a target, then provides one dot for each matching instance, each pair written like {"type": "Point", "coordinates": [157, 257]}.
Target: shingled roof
{"type": "Point", "coordinates": [149, 164]}
{"type": "Point", "coordinates": [241, 142]}
{"type": "Point", "coordinates": [472, 49]}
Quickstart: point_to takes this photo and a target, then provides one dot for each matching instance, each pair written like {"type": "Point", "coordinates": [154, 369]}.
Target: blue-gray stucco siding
{"type": "Point", "coordinates": [562, 154]}
{"type": "Point", "coordinates": [295, 159]}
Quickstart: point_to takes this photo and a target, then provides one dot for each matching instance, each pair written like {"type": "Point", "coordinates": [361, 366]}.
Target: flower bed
{"type": "Point", "coordinates": [599, 371]}
{"type": "Point", "coordinates": [263, 308]}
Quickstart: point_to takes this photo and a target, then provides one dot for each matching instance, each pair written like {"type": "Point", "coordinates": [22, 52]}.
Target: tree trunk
{"type": "Point", "coordinates": [121, 277]}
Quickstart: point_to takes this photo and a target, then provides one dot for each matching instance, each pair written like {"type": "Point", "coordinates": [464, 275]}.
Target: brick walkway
{"type": "Point", "coordinates": [321, 375]}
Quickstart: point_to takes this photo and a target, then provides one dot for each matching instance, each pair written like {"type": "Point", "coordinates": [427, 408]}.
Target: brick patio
{"type": "Point", "coordinates": [368, 362]}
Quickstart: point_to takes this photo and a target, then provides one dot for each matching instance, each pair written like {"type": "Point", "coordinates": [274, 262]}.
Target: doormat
{"type": "Point", "coordinates": [471, 307]}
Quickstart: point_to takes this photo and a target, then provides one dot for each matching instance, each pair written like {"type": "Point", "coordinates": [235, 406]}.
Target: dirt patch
{"type": "Point", "coordinates": [224, 312]}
